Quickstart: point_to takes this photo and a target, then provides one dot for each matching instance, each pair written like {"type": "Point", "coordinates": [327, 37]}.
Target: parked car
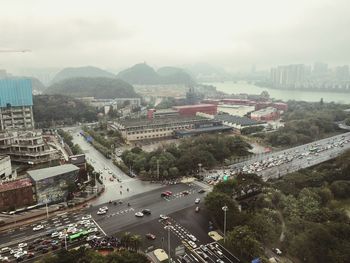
{"type": "Point", "coordinates": [150, 236]}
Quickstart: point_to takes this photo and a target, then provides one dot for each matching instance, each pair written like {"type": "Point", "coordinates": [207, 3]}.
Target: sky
{"type": "Point", "coordinates": [233, 34]}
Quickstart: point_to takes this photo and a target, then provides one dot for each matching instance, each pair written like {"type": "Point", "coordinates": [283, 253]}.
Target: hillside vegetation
{"type": "Point", "coordinates": [143, 74]}
{"type": "Point", "coordinates": [101, 88]}
{"type": "Point", "coordinates": [81, 72]}
{"type": "Point", "coordinates": [59, 110]}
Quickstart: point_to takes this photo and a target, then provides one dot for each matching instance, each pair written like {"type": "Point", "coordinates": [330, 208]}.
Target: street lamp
{"type": "Point", "coordinates": [225, 209]}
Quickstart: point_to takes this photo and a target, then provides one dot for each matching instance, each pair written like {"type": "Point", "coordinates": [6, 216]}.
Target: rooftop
{"type": "Point", "coordinates": [44, 173]}
{"type": "Point", "coordinates": [77, 159]}
{"type": "Point", "coordinates": [244, 121]}
{"type": "Point", "coordinates": [15, 185]}
{"type": "Point", "coordinates": [217, 128]}
{"type": "Point", "coordinates": [265, 110]}
{"type": "Point", "coordinates": [194, 106]}
{"type": "Point", "coordinates": [140, 122]}
{"type": "Point", "coordinates": [165, 111]}
{"type": "Point", "coordinates": [15, 92]}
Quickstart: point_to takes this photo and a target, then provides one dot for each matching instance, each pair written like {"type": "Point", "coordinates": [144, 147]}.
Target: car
{"type": "Point", "coordinates": [204, 248]}
{"type": "Point", "coordinates": [38, 227]}
{"type": "Point", "coordinates": [54, 246]}
{"type": "Point", "coordinates": [22, 245]}
{"type": "Point", "coordinates": [15, 250]}
{"type": "Point", "coordinates": [86, 217]}
{"type": "Point", "coordinates": [30, 255]}
{"type": "Point", "coordinates": [92, 237]}
{"type": "Point", "coordinates": [150, 236]}
{"type": "Point", "coordinates": [110, 172]}
{"type": "Point", "coordinates": [92, 230]}
{"type": "Point", "coordinates": [185, 192]}
{"type": "Point", "coordinates": [55, 234]}
{"type": "Point", "coordinates": [197, 201]}
{"type": "Point", "coordinates": [197, 209]}
{"type": "Point", "coordinates": [101, 212]}
{"type": "Point", "coordinates": [219, 253]}
{"type": "Point", "coordinates": [163, 217]}
{"type": "Point", "coordinates": [38, 240]}
{"type": "Point", "coordinates": [192, 244]}
{"type": "Point", "coordinates": [219, 261]}
{"type": "Point", "coordinates": [166, 194]}
{"type": "Point", "coordinates": [139, 214]}
{"type": "Point", "coordinates": [44, 250]}
{"type": "Point", "coordinates": [5, 249]}
{"type": "Point", "coordinates": [20, 254]}
{"type": "Point", "coordinates": [4, 259]}
{"type": "Point", "coordinates": [146, 211]}
{"type": "Point", "coordinates": [277, 251]}
{"type": "Point", "coordinates": [104, 208]}
{"type": "Point", "coordinates": [192, 237]}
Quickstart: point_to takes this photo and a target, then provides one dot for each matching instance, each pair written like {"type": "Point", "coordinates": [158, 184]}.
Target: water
{"type": "Point", "coordinates": [285, 95]}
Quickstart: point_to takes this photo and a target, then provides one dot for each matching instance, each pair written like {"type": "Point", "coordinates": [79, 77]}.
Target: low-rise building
{"type": "Point", "coordinates": [26, 147]}
{"type": "Point", "coordinates": [16, 194]}
{"type": "Point", "coordinates": [6, 172]}
{"type": "Point", "coordinates": [51, 184]}
{"type": "Point", "coordinates": [162, 113]}
{"type": "Point", "coordinates": [192, 110]}
{"type": "Point", "coordinates": [142, 129]}
{"type": "Point", "coordinates": [266, 114]}
{"type": "Point", "coordinates": [238, 122]}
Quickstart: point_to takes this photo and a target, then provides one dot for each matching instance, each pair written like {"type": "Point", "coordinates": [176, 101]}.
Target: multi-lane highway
{"type": "Point", "coordinates": [277, 164]}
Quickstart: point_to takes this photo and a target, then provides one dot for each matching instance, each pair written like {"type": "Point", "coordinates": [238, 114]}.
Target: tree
{"type": "Point", "coordinates": [126, 239]}
{"type": "Point", "coordinates": [135, 241]}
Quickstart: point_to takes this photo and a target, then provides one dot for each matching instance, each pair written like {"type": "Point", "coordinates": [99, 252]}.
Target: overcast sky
{"type": "Point", "coordinates": [116, 34]}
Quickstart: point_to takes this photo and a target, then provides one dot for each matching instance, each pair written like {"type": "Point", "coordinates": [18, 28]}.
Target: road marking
{"type": "Point", "coordinates": [99, 227]}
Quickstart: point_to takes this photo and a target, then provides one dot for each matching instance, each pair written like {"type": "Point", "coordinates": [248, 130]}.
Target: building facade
{"type": "Point", "coordinates": [26, 147]}
{"type": "Point", "coordinates": [135, 130]}
{"type": "Point", "coordinates": [51, 184]}
{"type": "Point", "coordinates": [6, 173]}
{"type": "Point", "coordinates": [16, 102]}
{"type": "Point", "coordinates": [16, 194]}
{"type": "Point", "coordinates": [266, 114]}
{"type": "Point", "coordinates": [192, 110]}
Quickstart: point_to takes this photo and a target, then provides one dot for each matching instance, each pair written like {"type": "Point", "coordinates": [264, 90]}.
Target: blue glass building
{"type": "Point", "coordinates": [16, 101]}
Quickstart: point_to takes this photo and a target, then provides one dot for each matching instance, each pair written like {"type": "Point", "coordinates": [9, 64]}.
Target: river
{"type": "Point", "coordinates": [285, 95]}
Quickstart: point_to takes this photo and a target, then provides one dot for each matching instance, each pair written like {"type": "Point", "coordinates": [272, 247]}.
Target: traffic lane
{"type": "Point", "coordinates": [114, 224]}
{"type": "Point", "coordinates": [142, 199]}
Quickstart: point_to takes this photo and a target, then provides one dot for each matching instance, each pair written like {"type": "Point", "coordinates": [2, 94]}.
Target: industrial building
{"type": "Point", "coordinates": [26, 147]}
{"type": "Point", "coordinates": [192, 110]}
{"type": "Point", "coordinates": [238, 123]}
{"type": "Point", "coordinates": [16, 102]}
{"type": "Point", "coordinates": [6, 172]}
{"type": "Point", "coordinates": [16, 194]}
{"type": "Point", "coordinates": [51, 184]}
{"type": "Point", "coordinates": [213, 128]}
{"type": "Point", "coordinates": [141, 129]}
{"type": "Point", "coordinates": [163, 113]}
{"type": "Point", "coordinates": [266, 114]}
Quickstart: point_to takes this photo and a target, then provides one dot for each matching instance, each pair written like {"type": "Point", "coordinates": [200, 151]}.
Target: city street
{"type": "Point", "coordinates": [113, 189]}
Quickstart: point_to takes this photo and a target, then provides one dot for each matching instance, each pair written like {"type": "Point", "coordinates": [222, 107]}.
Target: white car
{"type": "Point", "coordinates": [38, 227]}
{"type": "Point", "coordinates": [16, 250]}
{"type": "Point", "coordinates": [92, 230]}
{"type": "Point", "coordinates": [55, 234]}
{"type": "Point", "coordinates": [104, 208]}
{"type": "Point", "coordinates": [164, 217]}
{"type": "Point", "coordinates": [21, 245]}
{"type": "Point", "coordinates": [139, 214]}
{"type": "Point", "coordinates": [192, 237]}
{"type": "Point", "coordinates": [20, 254]}
{"type": "Point", "coordinates": [197, 201]}
{"type": "Point", "coordinates": [101, 212]}
{"type": "Point", "coordinates": [4, 259]}
{"type": "Point", "coordinates": [86, 217]}
{"type": "Point", "coordinates": [89, 238]}
{"type": "Point", "coordinates": [5, 249]}
{"type": "Point", "coordinates": [192, 244]}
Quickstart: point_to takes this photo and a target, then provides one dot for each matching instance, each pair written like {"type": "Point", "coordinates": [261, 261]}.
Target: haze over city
{"type": "Point", "coordinates": [117, 34]}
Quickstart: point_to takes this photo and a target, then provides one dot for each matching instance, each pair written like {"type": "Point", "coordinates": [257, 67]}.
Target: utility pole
{"type": "Point", "coordinates": [169, 256]}
{"type": "Point", "coordinates": [158, 170]}
{"type": "Point", "coordinates": [225, 209]}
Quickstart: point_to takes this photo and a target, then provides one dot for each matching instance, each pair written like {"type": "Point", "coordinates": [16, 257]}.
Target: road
{"type": "Point", "coordinates": [295, 158]}
{"type": "Point", "coordinates": [112, 188]}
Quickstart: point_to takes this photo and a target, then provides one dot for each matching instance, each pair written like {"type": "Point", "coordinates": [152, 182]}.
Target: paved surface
{"type": "Point", "coordinates": [99, 162]}
{"type": "Point", "coordinates": [300, 157]}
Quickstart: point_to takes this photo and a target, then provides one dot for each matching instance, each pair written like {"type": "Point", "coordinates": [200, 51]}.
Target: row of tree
{"type": "Point", "coordinates": [301, 213]}
{"type": "Point", "coordinates": [178, 160]}
{"type": "Point", "coordinates": [68, 139]}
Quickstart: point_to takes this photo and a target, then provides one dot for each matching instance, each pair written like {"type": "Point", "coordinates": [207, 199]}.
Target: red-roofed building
{"type": "Point", "coordinates": [16, 194]}
{"type": "Point", "coordinates": [191, 110]}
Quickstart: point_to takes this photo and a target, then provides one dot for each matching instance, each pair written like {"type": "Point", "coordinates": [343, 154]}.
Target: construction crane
{"type": "Point", "coordinates": [14, 50]}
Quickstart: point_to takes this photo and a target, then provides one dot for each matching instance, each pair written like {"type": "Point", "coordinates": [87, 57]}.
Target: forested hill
{"type": "Point", "coordinates": [81, 72]}
{"type": "Point", "coordinates": [100, 88]}
{"type": "Point", "coordinates": [143, 74]}
{"type": "Point", "coordinates": [52, 110]}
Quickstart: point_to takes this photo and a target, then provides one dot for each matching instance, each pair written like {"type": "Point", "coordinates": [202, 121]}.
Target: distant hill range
{"type": "Point", "coordinates": [81, 72]}
{"type": "Point", "coordinates": [101, 88]}
{"type": "Point", "coordinates": [143, 74]}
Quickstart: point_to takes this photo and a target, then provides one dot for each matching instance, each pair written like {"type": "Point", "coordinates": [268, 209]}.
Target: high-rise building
{"type": "Point", "coordinates": [320, 69]}
{"type": "Point", "coordinates": [290, 76]}
{"type": "Point", "coordinates": [342, 73]}
{"type": "Point", "coordinates": [16, 102]}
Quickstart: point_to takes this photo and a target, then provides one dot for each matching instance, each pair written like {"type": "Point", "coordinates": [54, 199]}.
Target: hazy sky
{"type": "Point", "coordinates": [115, 34]}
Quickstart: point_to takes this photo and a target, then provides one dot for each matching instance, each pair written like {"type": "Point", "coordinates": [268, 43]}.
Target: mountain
{"type": "Point", "coordinates": [206, 72]}
{"type": "Point", "coordinates": [37, 85]}
{"type": "Point", "coordinates": [81, 72]}
{"type": "Point", "coordinates": [100, 88]}
{"type": "Point", "coordinates": [143, 74]}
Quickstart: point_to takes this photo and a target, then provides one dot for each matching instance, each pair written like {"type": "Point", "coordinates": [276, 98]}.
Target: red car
{"type": "Point", "coordinates": [150, 236]}
{"type": "Point", "coordinates": [166, 194]}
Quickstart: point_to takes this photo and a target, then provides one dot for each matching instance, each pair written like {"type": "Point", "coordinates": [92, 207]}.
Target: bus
{"type": "Point", "coordinates": [78, 235]}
